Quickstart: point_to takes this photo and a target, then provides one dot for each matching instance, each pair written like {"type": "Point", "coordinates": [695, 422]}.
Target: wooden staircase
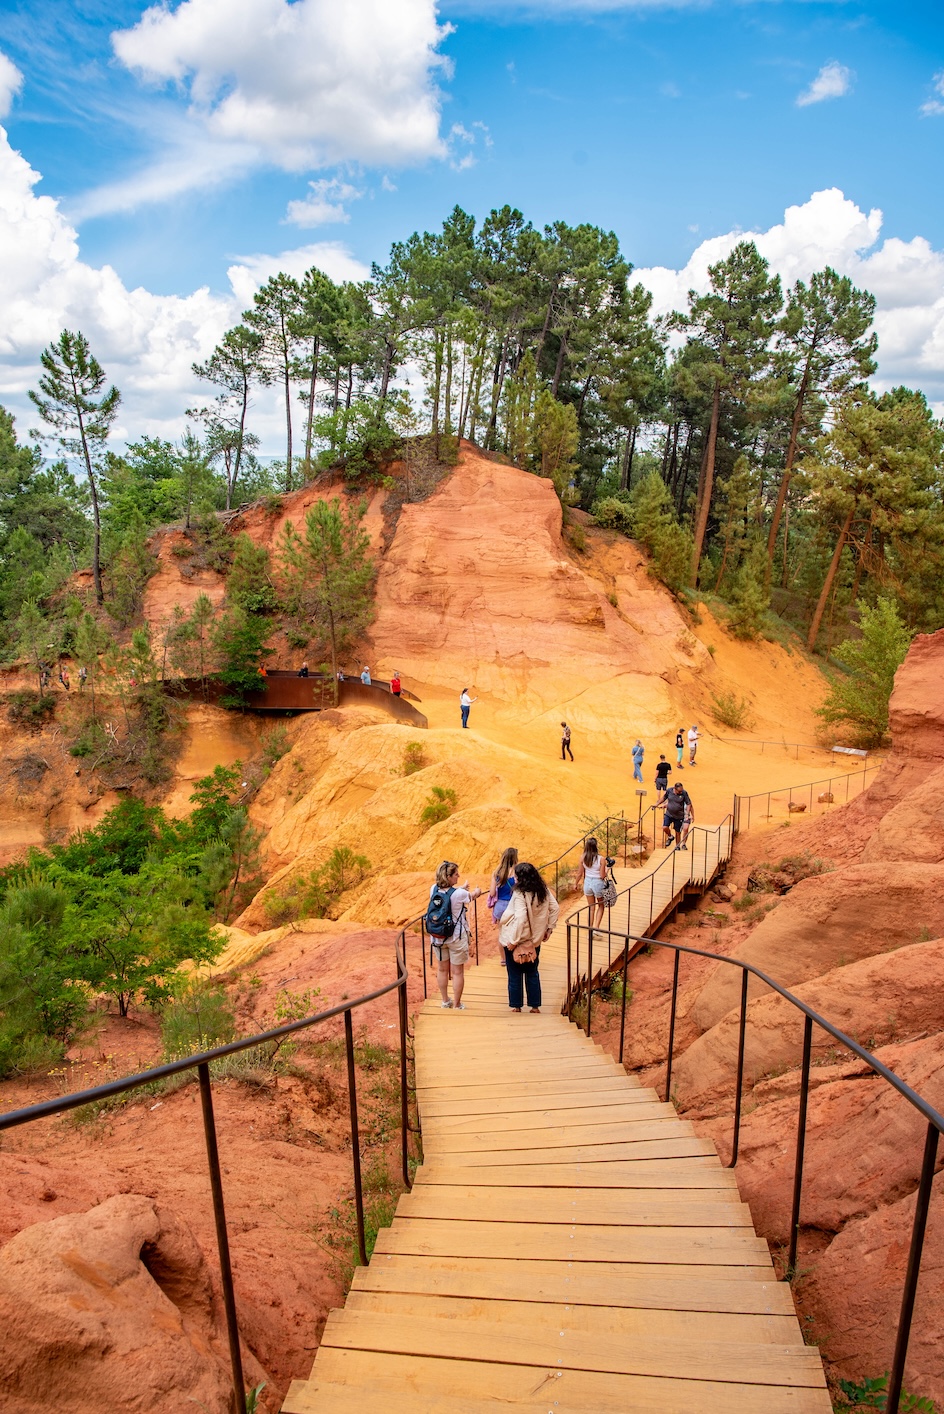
{"type": "Point", "coordinates": [569, 1243]}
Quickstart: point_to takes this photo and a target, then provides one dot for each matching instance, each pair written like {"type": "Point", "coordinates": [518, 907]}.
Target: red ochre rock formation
{"type": "Point", "coordinates": [110, 1309]}
{"type": "Point", "coordinates": [864, 946]}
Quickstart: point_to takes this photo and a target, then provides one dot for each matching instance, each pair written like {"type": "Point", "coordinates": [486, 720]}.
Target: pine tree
{"type": "Point", "coordinates": [653, 521]}
{"type": "Point", "coordinates": [249, 582]}
{"type": "Point", "coordinates": [861, 700]}
{"type": "Point", "coordinates": [749, 598]}
{"type": "Point", "coordinates": [329, 574]}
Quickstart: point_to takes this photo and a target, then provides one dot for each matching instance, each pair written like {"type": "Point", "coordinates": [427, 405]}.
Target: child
{"type": "Point", "coordinates": [662, 777]}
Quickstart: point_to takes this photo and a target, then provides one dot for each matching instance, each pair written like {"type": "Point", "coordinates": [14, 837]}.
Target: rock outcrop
{"type": "Point", "coordinates": [124, 1281]}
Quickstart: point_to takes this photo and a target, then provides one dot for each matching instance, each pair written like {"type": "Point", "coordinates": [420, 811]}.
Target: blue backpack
{"type": "Point", "coordinates": [439, 920]}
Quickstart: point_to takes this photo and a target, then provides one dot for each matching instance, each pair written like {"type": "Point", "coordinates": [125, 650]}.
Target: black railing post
{"type": "Point", "coordinates": [668, 1063]}
{"type": "Point", "coordinates": [922, 1204]}
{"type": "Point", "coordinates": [589, 974]}
{"type": "Point", "coordinates": [355, 1136]}
{"type": "Point", "coordinates": [423, 953]}
{"type": "Point", "coordinates": [800, 1148]}
{"type": "Point", "coordinates": [740, 1071]}
{"type": "Point", "coordinates": [222, 1239]}
{"type": "Point", "coordinates": [569, 984]}
{"type": "Point", "coordinates": [623, 1009]}
{"type": "Point", "coordinates": [403, 1004]}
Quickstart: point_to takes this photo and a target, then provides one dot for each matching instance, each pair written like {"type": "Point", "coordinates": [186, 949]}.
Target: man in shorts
{"type": "Point", "coordinates": [452, 953]}
{"type": "Point", "coordinates": [692, 743]}
{"type": "Point", "coordinates": [662, 778]}
{"type": "Point", "coordinates": [679, 811]}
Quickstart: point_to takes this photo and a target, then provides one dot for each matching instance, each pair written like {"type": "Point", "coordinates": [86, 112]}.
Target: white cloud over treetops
{"type": "Point", "coordinates": [146, 342]}
{"type": "Point", "coordinates": [906, 277]}
{"type": "Point", "coordinates": [833, 81]}
{"type": "Point", "coordinates": [11, 81]}
{"type": "Point", "coordinates": [307, 84]}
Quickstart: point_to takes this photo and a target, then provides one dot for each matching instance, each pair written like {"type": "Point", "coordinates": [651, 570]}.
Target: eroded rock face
{"type": "Point", "coordinates": [873, 1000]}
{"type": "Point", "coordinates": [124, 1281]}
{"type": "Point", "coordinates": [829, 921]}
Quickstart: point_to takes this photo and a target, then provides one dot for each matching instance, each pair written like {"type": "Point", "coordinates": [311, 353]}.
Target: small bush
{"type": "Point", "coordinates": [442, 802]}
{"type": "Point", "coordinates": [414, 758]}
{"type": "Point", "coordinates": [613, 600]}
{"type": "Point", "coordinates": [198, 1019]}
{"type": "Point", "coordinates": [612, 513]}
{"type": "Point", "coordinates": [297, 638]}
{"type": "Point", "coordinates": [30, 709]}
{"type": "Point", "coordinates": [312, 895]}
{"type": "Point", "coordinates": [872, 1394]}
{"type": "Point", "coordinates": [275, 744]}
{"type": "Point", "coordinates": [731, 711]}
{"type": "Point", "coordinates": [578, 538]}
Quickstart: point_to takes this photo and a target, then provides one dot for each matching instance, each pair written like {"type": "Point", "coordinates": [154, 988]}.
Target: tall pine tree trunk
{"type": "Point", "coordinates": [708, 482]}
{"type": "Point", "coordinates": [437, 392]}
{"type": "Point", "coordinates": [828, 582]}
{"type": "Point", "coordinates": [288, 428]}
{"type": "Point", "coordinates": [96, 517]}
{"type": "Point", "coordinates": [447, 397]}
{"type": "Point", "coordinates": [312, 386]}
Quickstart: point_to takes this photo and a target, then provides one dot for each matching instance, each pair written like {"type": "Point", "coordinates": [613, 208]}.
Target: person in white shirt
{"type": "Point", "coordinates": [452, 953]}
{"type": "Point", "coordinates": [692, 743]}
{"type": "Point", "coordinates": [465, 704]}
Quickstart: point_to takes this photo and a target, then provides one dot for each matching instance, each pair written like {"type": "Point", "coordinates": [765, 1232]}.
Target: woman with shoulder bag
{"type": "Point", "coordinates": [529, 920]}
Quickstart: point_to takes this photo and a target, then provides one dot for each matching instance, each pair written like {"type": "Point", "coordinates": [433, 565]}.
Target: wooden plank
{"type": "Point", "coordinates": [512, 1089]}
{"type": "Point", "coordinates": [523, 1104]}
{"type": "Point", "coordinates": [615, 1323]}
{"type": "Point", "coordinates": [562, 1205]}
{"type": "Point", "coordinates": [410, 1384]}
{"type": "Point", "coordinates": [701, 1173]}
{"type": "Point", "coordinates": [582, 1283]}
{"type": "Point", "coordinates": [660, 1142]}
{"type": "Point", "coordinates": [574, 1349]}
{"type": "Point", "coordinates": [716, 1247]}
{"type": "Point", "coordinates": [483, 1140]}
{"type": "Point", "coordinates": [602, 1272]}
{"type": "Point", "coordinates": [628, 1110]}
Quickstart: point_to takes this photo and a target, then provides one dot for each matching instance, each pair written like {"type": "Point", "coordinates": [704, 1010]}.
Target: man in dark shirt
{"type": "Point", "coordinates": [663, 770]}
{"type": "Point", "coordinates": [679, 811]}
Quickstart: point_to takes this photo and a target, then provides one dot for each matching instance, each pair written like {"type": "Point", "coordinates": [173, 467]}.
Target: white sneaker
{"type": "Point", "coordinates": [460, 1006]}
{"type": "Point", "coordinates": [446, 1006]}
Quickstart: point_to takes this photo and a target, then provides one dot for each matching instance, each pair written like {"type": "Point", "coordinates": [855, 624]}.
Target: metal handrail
{"type": "Point", "coordinates": [792, 791]}
{"type": "Point", "coordinates": [934, 1118]}
{"type": "Point", "coordinates": [201, 1063]}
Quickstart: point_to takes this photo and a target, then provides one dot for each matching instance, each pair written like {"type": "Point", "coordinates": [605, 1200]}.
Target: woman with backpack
{"type": "Point", "coordinates": [528, 921]}
{"type": "Point", "coordinates": [447, 924]}
{"type": "Point", "coordinates": [592, 874]}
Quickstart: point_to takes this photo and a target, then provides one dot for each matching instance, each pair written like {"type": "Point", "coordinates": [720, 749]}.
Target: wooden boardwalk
{"type": "Point", "coordinates": [569, 1244]}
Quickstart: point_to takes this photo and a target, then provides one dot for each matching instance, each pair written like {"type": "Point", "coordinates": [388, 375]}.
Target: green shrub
{"type": "Point", "coordinates": [860, 702]}
{"type": "Point", "coordinates": [312, 895]}
{"type": "Point", "coordinates": [275, 745]}
{"type": "Point", "coordinates": [440, 805]}
{"type": "Point", "coordinates": [30, 709]}
{"type": "Point", "coordinates": [871, 1394]}
{"type": "Point", "coordinates": [578, 538]}
{"type": "Point", "coordinates": [198, 1018]}
{"type": "Point", "coordinates": [612, 514]}
{"type": "Point", "coordinates": [414, 758]}
{"type": "Point", "coordinates": [749, 598]}
{"type": "Point", "coordinates": [732, 711]}
{"type": "Point", "coordinates": [653, 522]}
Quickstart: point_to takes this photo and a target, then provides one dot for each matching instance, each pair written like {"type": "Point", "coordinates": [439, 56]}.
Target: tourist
{"type": "Point", "coordinates": [303, 670]}
{"type": "Point", "coordinates": [64, 676]}
{"type": "Point", "coordinates": [663, 771]}
{"type": "Point", "coordinates": [639, 752]}
{"type": "Point", "coordinates": [680, 747]}
{"type": "Point", "coordinates": [529, 921]}
{"type": "Point", "coordinates": [503, 881]}
{"type": "Point", "coordinates": [465, 704]}
{"type": "Point", "coordinates": [678, 810]}
{"type": "Point", "coordinates": [365, 676]}
{"type": "Point", "coordinates": [83, 677]}
{"type": "Point", "coordinates": [565, 742]}
{"type": "Point", "coordinates": [263, 671]}
{"type": "Point", "coordinates": [592, 875]}
{"type": "Point", "coordinates": [448, 927]}
{"type": "Point", "coordinates": [395, 685]}
{"type": "Point", "coordinates": [692, 743]}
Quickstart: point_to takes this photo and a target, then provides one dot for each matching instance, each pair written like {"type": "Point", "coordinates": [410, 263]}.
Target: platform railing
{"type": "Point", "coordinates": [630, 944]}
{"type": "Point", "coordinates": [201, 1063]}
{"type": "Point", "coordinates": [747, 807]}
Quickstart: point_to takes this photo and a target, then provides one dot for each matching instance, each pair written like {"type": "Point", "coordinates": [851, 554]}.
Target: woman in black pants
{"type": "Point", "coordinates": [528, 921]}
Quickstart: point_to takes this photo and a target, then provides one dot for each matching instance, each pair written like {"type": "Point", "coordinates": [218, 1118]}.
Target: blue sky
{"type": "Point", "coordinates": [171, 156]}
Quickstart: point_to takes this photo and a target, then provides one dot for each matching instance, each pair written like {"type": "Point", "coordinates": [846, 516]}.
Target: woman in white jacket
{"type": "Point", "coordinates": [528, 920]}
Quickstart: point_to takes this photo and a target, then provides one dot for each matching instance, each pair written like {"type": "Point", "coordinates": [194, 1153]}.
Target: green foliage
{"type": "Point", "coordinates": [414, 758]}
{"type": "Point", "coordinates": [312, 895]}
{"type": "Point", "coordinates": [440, 805]}
{"type": "Point", "coordinates": [613, 513]}
{"type": "Point", "coordinates": [652, 520]}
{"type": "Point", "coordinates": [329, 574]}
{"type": "Point", "coordinates": [275, 745]}
{"type": "Point", "coordinates": [239, 641]}
{"type": "Point", "coordinates": [31, 710]}
{"type": "Point", "coordinates": [860, 702]}
{"type": "Point", "coordinates": [129, 569]}
{"type": "Point", "coordinates": [197, 1017]}
{"type": "Point", "coordinates": [43, 996]}
{"type": "Point", "coordinates": [732, 711]}
{"type": "Point", "coordinates": [871, 1394]}
{"type": "Point", "coordinates": [248, 584]}
{"type": "Point", "coordinates": [749, 599]}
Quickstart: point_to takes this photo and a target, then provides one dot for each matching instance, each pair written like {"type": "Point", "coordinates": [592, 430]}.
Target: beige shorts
{"type": "Point", "coordinates": [454, 949]}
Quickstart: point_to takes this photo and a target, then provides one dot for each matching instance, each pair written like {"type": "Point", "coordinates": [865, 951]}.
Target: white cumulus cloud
{"type": "Point", "coordinates": [307, 84]}
{"type": "Point", "coordinates": [833, 81]}
{"type": "Point", "coordinates": [324, 203]}
{"type": "Point", "coordinates": [11, 81]}
{"type": "Point", "coordinates": [906, 277]}
{"type": "Point", "coordinates": [935, 106]}
{"type": "Point", "coordinates": [146, 342]}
